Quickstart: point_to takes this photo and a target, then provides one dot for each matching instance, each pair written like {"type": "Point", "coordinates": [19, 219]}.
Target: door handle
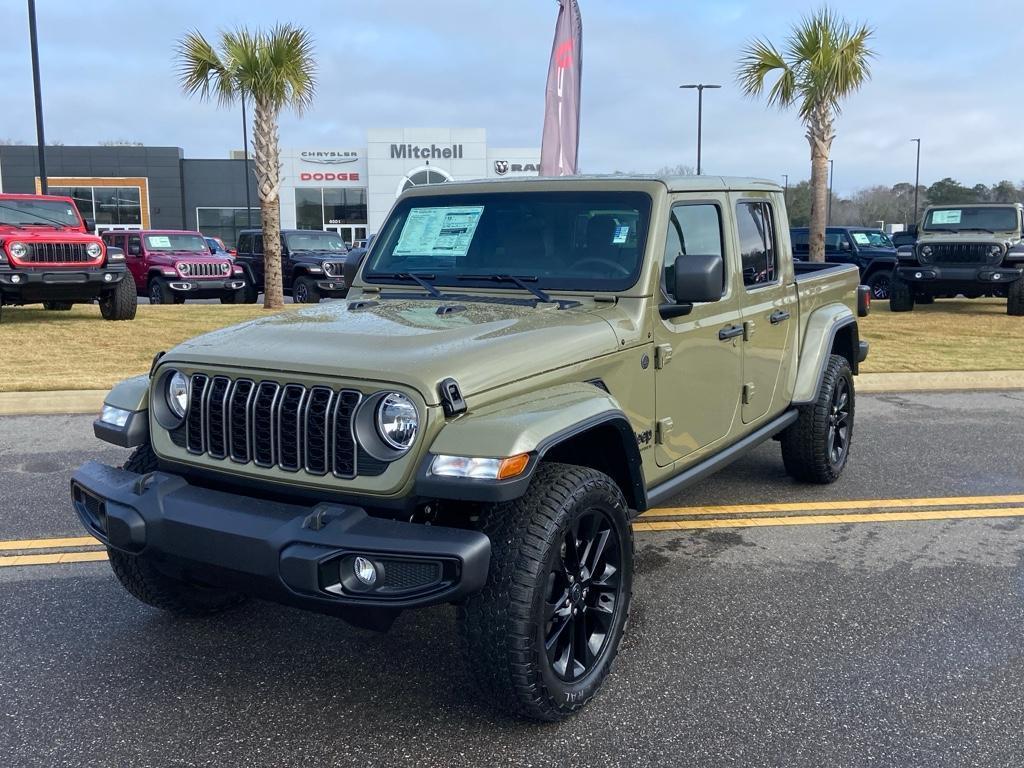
{"type": "Point", "coordinates": [778, 316]}
{"type": "Point", "coordinates": [730, 332]}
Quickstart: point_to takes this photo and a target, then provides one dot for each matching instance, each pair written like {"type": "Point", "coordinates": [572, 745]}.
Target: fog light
{"type": "Point", "coordinates": [997, 276]}
{"type": "Point", "coordinates": [918, 275]}
{"type": "Point", "coordinates": [108, 277]}
{"type": "Point", "coordinates": [15, 278]}
{"type": "Point", "coordinates": [365, 571]}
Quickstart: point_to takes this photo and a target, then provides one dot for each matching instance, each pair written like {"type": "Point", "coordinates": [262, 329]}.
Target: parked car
{"type": "Point", "coordinates": [527, 366]}
{"type": "Point", "coordinates": [217, 247]}
{"type": "Point", "coordinates": [313, 264]}
{"type": "Point", "coordinates": [48, 257]}
{"type": "Point", "coordinates": [170, 266]}
{"type": "Point", "coordinates": [970, 250]}
{"type": "Point", "coordinates": [870, 250]}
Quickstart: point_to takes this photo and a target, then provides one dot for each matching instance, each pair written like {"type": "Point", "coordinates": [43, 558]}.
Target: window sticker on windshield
{"type": "Point", "coordinates": [621, 233]}
{"type": "Point", "coordinates": [159, 241]}
{"type": "Point", "coordinates": [439, 231]}
{"type": "Point", "coordinates": [946, 217]}
{"type": "Point", "coordinates": [861, 238]}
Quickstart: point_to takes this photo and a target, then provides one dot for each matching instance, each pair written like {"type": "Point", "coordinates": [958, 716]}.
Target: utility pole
{"type": "Point", "coordinates": [917, 179]}
{"type": "Point", "coordinates": [700, 112]}
{"type": "Point", "coordinates": [40, 139]}
{"type": "Point", "coordinates": [785, 189]}
{"type": "Point", "coordinates": [830, 175]}
{"type": "Point", "coordinates": [245, 150]}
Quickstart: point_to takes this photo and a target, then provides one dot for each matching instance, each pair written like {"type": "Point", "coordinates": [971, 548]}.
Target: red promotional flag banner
{"type": "Point", "coordinates": [560, 144]}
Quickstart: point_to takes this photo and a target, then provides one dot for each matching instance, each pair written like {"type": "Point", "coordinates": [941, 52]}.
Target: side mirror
{"type": "Point", "coordinates": [845, 245]}
{"type": "Point", "coordinates": [134, 250]}
{"type": "Point", "coordinates": [90, 225]}
{"type": "Point", "coordinates": [698, 279]}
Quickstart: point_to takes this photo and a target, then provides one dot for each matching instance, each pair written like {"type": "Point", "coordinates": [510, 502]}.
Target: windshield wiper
{"type": "Point", "coordinates": [520, 282]}
{"type": "Point", "coordinates": [421, 280]}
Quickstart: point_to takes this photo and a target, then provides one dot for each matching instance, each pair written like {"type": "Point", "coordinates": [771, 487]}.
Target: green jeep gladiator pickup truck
{"type": "Point", "coordinates": [522, 367]}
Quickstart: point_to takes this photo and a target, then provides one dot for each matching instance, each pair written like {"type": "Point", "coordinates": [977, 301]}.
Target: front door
{"type": "Point", "coordinates": [136, 261]}
{"type": "Point", "coordinates": [770, 307]}
{"type": "Point", "coordinates": [697, 356]}
{"type": "Point", "coordinates": [349, 233]}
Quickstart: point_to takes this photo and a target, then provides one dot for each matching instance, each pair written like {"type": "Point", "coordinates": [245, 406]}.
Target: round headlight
{"type": "Point", "coordinates": [995, 250]}
{"type": "Point", "coordinates": [926, 250]}
{"type": "Point", "coordinates": [19, 250]}
{"type": "Point", "coordinates": [177, 394]}
{"type": "Point", "coordinates": [94, 250]}
{"type": "Point", "coordinates": [397, 421]}
{"type": "Point", "coordinates": [184, 268]}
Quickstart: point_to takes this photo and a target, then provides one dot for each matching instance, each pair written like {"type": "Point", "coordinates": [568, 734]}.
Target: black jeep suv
{"type": "Point", "coordinates": [314, 264]}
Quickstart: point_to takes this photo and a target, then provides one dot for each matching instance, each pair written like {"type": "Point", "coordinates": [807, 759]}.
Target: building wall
{"type": "Point", "coordinates": [160, 165]}
{"type": "Point", "coordinates": [216, 184]}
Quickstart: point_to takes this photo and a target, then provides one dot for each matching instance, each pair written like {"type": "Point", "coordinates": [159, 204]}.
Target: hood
{"type": "Point", "coordinates": [46, 234]}
{"type": "Point", "coordinates": [405, 341]}
{"type": "Point", "coordinates": [967, 236]}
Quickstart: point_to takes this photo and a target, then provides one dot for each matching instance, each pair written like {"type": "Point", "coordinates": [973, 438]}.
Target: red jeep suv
{"type": "Point", "coordinates": [48, 257]}
{"type": "Point", "coordinates": [170, 266]}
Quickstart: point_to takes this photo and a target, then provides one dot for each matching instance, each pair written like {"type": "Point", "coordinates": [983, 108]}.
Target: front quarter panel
{"type": "Point", "coordinates": [131, 394]}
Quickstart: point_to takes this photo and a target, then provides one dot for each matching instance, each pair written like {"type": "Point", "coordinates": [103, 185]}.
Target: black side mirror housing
{"type": "Point", "coordinates": [698, 279]}
{"type": "Point", "coordinates": [90, 225]}
{"type": "Point", "coordinates": [134, 250]}
{"type": "Point", "coordinates": [845, 245]}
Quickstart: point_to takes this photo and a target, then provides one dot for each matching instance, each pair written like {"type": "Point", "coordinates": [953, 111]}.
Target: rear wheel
{"type": "Point", "coordinates": [305, 291]}
{"type": "Point", "coordinates": [57, 306]}
{"type": "Point", "coordinates": [879, 284]}
{"type": "Point", "coordinates": [901, 297]}
{"type": "Point", "coordinates": [120, 303]}
{"type": "Point", "coordinates": [1015, 298]}
{"type": "Point", "coordinates": [542, 634]}
{"type": "Point", "coordinates": [815, 449]}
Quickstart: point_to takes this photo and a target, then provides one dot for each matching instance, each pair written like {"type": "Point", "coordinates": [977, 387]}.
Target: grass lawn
{"type": "Point", "coordinates": [42, 350]}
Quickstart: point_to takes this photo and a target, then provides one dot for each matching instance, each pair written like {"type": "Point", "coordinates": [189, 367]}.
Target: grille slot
{"type": "Point", "coordinates": [57, 253]}
{"type": "Point", "coordinates": [959, 253]}
{"type": "Point", "coordinates": [289, 427]}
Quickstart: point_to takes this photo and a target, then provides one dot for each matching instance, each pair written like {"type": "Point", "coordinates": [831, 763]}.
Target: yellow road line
{"type": "Point", "coordinates": [56, 558]}
{"type": "Point", "coordinates": [70, 541]}
{"type": "Point", "coordinates": [816, 506]}
{"type": "Point", "coordinates": [882, 517]}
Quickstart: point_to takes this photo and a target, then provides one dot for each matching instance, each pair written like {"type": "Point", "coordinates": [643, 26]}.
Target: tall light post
{"type": "Point", "coordinates": [917, 178]}
{"type": "Point", "coordinates": [785, 189]}
{"type": "Point", "coordinates": [245, 150]}
{"type": "Point", "coordinates": [40, 140]}
{"type": "Point", "coordinates": [700, 112]}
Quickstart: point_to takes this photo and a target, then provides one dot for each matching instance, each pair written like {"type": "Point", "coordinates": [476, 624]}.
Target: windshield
{"type": "Point", "coordinates": [48, 212]}
{"type": "Point", "coordinates": [314, 241]}
{"type": "Point", "coordinates": [1001, 219]}
{"type": "Point", "coordinates": [557, 240]}
{"type": "Point", "coordinates": [871, 238]}
{"type": "Point", "coordinates": [188, 243]}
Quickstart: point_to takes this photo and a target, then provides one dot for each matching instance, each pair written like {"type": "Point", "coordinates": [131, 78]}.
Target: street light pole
{"type": "Point", "coordinates": [40, 140]}
{"type": "Point", "coordinates": [785, 190]}
{"type": "Point", "coordinates": [700, 113]}
{"type": "Point", "coordinates": [245, 150]}
{"type": "Point", "coordinates": [831, 173]}
{"type": "Point", "coordinates": [917, 178]}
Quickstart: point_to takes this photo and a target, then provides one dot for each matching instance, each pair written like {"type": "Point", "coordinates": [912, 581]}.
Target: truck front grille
{"type": "Point", "coordinates": [289, 426]}
{"type": "Point", "coordinates": [204, 269]}
{"type": "Point", "coordinates": [958, 253]}
{"type": "Point", "coordinates": [334, 268]}
{"type": "Point", "coordinates": [57, 253]}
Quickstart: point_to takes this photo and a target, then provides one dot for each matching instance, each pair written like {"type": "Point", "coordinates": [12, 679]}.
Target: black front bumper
{"type": "Point", "coordinates": [292, 554]}
{"type": "Point", "coordinates": [205, 288]}
{"type": "Point", "coordinates": [32, 285]}
{"type": "Point", "coordinates": [958, 277]}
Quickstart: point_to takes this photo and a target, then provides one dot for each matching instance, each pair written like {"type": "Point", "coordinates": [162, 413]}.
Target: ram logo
{"type": "Point", "coordinates": [501, 167]}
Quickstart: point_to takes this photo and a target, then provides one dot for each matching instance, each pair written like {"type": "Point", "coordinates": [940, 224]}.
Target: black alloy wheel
{"type": "Point", "coordinates": [583, 595]}
{"type": "Point", "coordinates": [301, 292]}
{"type": "Point", "coordinates": [838, 438]}
{"type": "Point", "coordinates": [880, 286]}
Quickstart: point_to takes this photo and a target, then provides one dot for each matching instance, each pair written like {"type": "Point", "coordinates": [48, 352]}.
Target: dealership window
{"type": "Point", "coordinates": [117, 206]}
{"type": "Point", "coordinates": [317, 207]}
{"type": "Point", "coordinates": [226, 223]}
{"type": "Point", "coordinates": [420, 177]}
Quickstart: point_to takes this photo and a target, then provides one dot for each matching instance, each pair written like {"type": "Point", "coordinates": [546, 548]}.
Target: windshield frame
{"type": "Point", "coordinates": [52, 219]}
{"type": "Point", "coordinates": [871, 232]}
{"type": "Point", "coordinates": [315, 233]}
{"type": "Point", "coordinates": [639, 199]}
{"type": "Point", "coordinates": [926, 227]}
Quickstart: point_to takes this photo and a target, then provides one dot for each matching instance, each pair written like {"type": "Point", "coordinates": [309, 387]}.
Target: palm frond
{"type": "Point", "coordinates": [758, 62]}
{"type": "Point", "coordinates": [201, 70]}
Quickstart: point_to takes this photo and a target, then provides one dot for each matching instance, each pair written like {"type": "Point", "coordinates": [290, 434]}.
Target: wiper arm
{"type": "Point", "coordinates": [520, 282]}
{"type": "Point", "coordinates": [421, 280]}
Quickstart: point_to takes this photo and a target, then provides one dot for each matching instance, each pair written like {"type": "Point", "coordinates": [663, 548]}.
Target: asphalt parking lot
{"type": "Point", "coordinates": [888, 633]}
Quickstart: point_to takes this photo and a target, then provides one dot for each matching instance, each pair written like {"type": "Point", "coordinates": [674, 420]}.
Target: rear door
{"type": "Point", "coordinates": [769, 303]}
{"type": "Point", "coordinates": [697, 367]}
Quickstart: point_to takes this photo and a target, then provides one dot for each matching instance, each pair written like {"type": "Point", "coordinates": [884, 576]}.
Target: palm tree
{"type": "Point", "coordinates": [825, 60]}
{"type": "Point", "coordinates": [275, 69]}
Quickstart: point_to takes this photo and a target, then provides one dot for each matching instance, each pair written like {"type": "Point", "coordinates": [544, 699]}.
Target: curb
{"type": "Point", "coordinates": [78, 401]}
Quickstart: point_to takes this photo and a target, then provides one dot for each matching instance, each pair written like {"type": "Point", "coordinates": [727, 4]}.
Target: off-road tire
{"type": "Point", "coordinates": [1015, 298]}
{"type": "Point", "coordinates": [805, 444]}
{"type": "Point", "coordinates": [880, 284]}
{"type": "Point", "coordinates": [901, 296]}
{"type": "Point", "coordinates": [250, 294]}
{"type": "Point", "coordinates": [144, 581]}
{"type": "Point", "coordinates": [233, 297]}
{"type": "Point", "coordinates": [159, 292]}
{"type": "Point", "coordinates": [304, 291]}
{"type": "Point", "coordinates": [57, 306]}
{"type": "Point", "coordinates": [503, 627]}
{"type": "Point", "coordinates": [120, 303]}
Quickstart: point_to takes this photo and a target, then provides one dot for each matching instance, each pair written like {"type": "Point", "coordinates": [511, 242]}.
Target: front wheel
{"type": "Point", "coordinates": [880, 283]}
{"type": "Point", "coordinates": [815, 449]}
{"type": "Point", "coordinates": [160, 292]}
{"type": "Point", "coordinates": [120, 303]}
{"type": "Point", "coordinates": [542, 634]}
{"type": "Point", "coordinates": [1015, 298]}
{"type": "Point", "coordinates": [901, 296]}
{"type": "Point", "coordinates": [305, 291]}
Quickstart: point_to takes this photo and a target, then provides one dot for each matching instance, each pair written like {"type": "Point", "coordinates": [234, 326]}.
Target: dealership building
{"type": "Point", "coordinates": [347, 189]}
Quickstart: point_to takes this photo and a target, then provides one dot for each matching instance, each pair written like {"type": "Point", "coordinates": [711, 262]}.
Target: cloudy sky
{"type": "Point", "coordinates": [950, 77]}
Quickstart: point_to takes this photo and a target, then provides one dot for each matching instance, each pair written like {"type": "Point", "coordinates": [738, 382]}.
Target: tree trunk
{"type": "Point", "coordinates": [268, 180]}
{"type": "Point", "coordinates": [819, 135]}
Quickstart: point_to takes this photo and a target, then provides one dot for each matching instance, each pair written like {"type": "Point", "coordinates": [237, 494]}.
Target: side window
{"type": "Point", "coordinates": [134, 245]}
{"type": "Point", "coordinates": [258, 248]}
{"type": "Point", "coordinates": [244, 243]}
{"type": "Point", "coordinates": [800, 244]}
{"type": "Point", "coordinates": [692, 230]}
{"type": "Point", "coordinates": [756, 227]}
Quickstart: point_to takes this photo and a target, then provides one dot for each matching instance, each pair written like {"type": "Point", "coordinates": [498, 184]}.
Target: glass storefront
{"type": "Point", "coordinates": [319, 207]}
{"type": "Point", "coordinates": [118, 206]}
{"type": "Point", "coordinates": [226, 223]}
